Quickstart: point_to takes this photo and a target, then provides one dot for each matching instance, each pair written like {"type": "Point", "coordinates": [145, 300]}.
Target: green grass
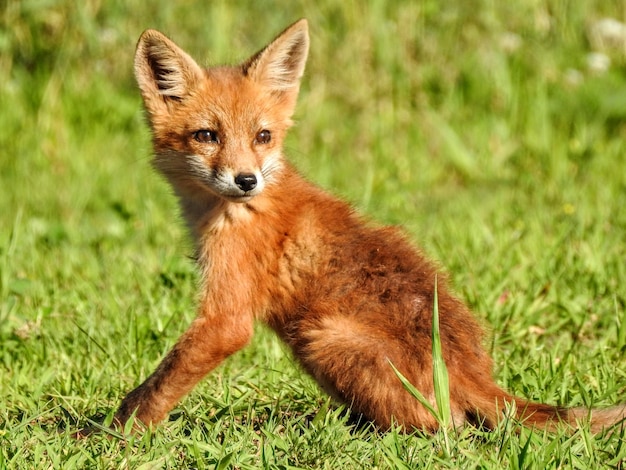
{"type": "Point", "coordinates": [476, 125]}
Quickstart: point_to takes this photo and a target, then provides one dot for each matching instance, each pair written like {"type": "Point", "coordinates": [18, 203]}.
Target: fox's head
{"type": "Point", "coordinates": [221, 129]}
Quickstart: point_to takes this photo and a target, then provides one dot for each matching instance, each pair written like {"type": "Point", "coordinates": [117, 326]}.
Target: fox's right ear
{"type": "Point", "coordinates": [164, 72]}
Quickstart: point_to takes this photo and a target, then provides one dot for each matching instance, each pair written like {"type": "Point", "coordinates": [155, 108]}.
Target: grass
{"type": "Point", "coordinates": [476, 125]}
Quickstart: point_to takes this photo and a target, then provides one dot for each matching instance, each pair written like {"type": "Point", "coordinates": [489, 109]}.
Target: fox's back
{"type": "Point", "coordinates": [373, 274]}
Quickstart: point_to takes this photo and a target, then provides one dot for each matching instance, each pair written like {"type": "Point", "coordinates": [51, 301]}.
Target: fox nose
{"type": "Point", "coordinates": [246, 181]}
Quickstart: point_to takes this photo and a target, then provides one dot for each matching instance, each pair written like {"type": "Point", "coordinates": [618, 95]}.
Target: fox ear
{"type": "Point", "coordinates": [165, 73]}
{"type": "Point", "coordinates": [280, 65]}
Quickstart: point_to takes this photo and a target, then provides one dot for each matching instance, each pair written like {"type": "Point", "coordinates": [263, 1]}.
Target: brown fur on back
{"type": "Point", "coordinates": [347, 296]}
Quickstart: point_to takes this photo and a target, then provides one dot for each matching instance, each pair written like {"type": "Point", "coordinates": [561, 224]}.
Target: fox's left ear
{"type": "Point", "coordinates": [280, 65]}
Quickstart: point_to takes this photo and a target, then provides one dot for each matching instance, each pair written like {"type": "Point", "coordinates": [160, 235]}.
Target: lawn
{"type": "Point", "coordinates": [493, 132]}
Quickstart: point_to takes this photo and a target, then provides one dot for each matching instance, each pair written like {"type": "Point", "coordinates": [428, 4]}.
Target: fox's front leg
{"type": "Point", "coordinates": [208, 341]}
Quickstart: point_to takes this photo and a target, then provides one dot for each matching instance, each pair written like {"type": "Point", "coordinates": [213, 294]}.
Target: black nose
{"type": "Point", "coordinates": [246, 181]}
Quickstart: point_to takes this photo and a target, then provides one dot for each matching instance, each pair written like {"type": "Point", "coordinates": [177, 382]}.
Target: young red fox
{"type": "Point", "coordinates": [348, 297]}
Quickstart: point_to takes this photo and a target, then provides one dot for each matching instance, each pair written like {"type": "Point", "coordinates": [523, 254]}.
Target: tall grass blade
{"type": "Point", "coordinates": [415, 393]}
{"type": "Point", "coordinates": [442, 413]}
{"type": "Point", "coordinates": [440, 371]}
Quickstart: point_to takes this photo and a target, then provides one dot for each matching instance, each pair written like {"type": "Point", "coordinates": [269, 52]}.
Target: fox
{"type": "Point", "coordinates": [350, 298]}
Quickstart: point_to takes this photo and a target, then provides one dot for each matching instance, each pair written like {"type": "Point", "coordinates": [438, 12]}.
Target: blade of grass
{"type": "Point", "coordinates": [415, 393]}
{"type": "Point", "coordinates": [440, 371]}
{"type": "Point", "coordinates": [442, 413]}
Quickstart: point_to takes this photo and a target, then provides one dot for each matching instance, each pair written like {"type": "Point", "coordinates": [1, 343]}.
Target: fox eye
{"type": "Point", "coordinates": [263, 137]}
{"type": "Point", "coordinates": [205, 136]}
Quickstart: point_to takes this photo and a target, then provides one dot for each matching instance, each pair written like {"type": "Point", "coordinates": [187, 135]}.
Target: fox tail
{"type": "Point", "coordinates": [491, 404]}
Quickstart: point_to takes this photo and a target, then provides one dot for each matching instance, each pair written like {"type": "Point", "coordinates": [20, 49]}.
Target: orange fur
{"type": "Point", "coordinates": [347, 296]}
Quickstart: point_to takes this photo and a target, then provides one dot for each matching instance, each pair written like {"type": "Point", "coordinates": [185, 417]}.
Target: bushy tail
{"type": "Point", "coordinates": [598, 419]}
{"type": "Point", "coordinates": [491, 404]}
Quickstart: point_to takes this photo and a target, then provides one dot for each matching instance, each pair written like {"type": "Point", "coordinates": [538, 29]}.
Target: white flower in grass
{"type": "Point", "coordinates": [573, 77]}
{"type": "Point", "coordinates": [608, 35]}
{"type": "Point", "coordinates": [510, 42]}
{"type": "Point", "coordinates": [598, 63]}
